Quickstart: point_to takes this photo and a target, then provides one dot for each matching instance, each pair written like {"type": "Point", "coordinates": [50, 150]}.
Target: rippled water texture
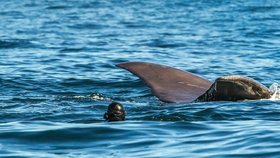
{"type": "Point", "coordinates": [58, 74]}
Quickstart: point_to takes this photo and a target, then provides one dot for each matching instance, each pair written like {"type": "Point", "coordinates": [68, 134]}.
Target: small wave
{"type": "Point", "coordinates": [87, 26]}
{"type": "Point", "coordinates": [275, 89]}
{"type": "Point", "coordinates": [17, 43]}
{"type": "Point", "coordinates": [58, 7]}
{"type": "Point", "coordinates": [164, 44]}
{"type": "Point", "coordinates": [96, 97]}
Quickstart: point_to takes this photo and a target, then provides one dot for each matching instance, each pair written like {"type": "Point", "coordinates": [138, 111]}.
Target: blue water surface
{"type": "Point", "coordinates": [58, 74]}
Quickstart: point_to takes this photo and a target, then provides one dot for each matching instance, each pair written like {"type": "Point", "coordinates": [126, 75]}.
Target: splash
{"type": "Point", "coordinates": [99, 97]}
{"type": "Point", "coordinates": [275, 89]}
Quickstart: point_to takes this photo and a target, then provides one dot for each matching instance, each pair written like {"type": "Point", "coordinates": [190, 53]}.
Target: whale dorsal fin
{"type": "Point", "coordinates": [167, 83]}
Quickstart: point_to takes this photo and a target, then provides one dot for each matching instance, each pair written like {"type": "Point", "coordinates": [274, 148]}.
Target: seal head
{"type": "Point", "coordinates": [115, 112]}
{"type": "Point", "coordinates": [234, 88]}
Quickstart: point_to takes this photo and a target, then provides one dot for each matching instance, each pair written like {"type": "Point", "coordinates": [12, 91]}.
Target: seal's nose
{"type": "Point", "coordinates": [115, 112]}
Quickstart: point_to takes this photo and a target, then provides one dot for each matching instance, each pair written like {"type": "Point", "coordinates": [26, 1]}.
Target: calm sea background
{"type": "Point", "coordinates": [58, 74]}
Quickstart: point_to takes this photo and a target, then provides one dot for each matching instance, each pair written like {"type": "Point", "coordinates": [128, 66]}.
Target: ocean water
{"type": "Point", "coordinates": [58, 74]}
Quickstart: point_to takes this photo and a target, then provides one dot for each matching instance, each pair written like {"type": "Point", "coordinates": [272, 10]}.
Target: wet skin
{"type": "Point", "coordinates": [176, 86]}
{"type": "Point", "coordinates": [115, 112]}
{"type": "Point", "coordinates": [234, 88]}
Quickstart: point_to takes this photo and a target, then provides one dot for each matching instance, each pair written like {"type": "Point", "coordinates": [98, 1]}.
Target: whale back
{"type": "Point", "coordinates": [234, 88]}
{"type": "Point", "coordinates": [169, 84]}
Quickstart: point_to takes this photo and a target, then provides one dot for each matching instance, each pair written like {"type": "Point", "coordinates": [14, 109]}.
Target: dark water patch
{"type": "Point", "coordinates": [88, 26]}
{"type": "Point", "coordinates": [259, 8]}
{"type": "Point", "coordinates": [211, 114]}
{"type": "Point", "coordinates": [78, 82]}
{"type": "Point", "coordinates": [58, 7]}
{"type": "Point", "coordinates": [208, 111]}
{"type": "Point", "coordinates": [94, 4]}
{"type": "Point", "coordinates": [73, 50]}
{"type": "Point", "coordinates": [15, 43]}
{"type": "Point", "coordinates": [27, 100]}
{"type": "Point", "coordinates": [5, 104]}
{"type": "Point", "coordinates": [137, 25]}
{"type": "Point", "coordinates": [52, 133]}
{"type": "Point", "coordinates": [14, 14]}
{"type": "Point", "coordinates": [165, 44]}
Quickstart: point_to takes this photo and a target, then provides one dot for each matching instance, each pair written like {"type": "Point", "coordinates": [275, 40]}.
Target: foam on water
{"type": "Point", "coordinates": [275, 89]}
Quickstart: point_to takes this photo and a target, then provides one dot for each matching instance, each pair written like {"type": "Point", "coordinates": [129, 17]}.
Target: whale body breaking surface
{"type": "Point", "coordinates": [176, 86]}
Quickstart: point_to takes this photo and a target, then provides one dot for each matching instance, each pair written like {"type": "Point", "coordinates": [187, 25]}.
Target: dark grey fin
{"type": "Point", "coordinates": [167, 83]}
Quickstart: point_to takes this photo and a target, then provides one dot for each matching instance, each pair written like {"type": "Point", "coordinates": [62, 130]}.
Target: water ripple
{"type": "Point", "coordinates": [58, 74]}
